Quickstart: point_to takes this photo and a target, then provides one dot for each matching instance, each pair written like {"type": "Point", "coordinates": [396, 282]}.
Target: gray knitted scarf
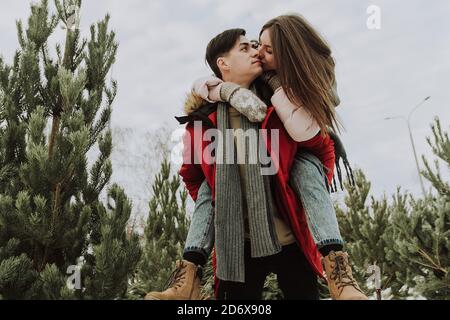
{"type": "Point", "coordinates": [229, 219]}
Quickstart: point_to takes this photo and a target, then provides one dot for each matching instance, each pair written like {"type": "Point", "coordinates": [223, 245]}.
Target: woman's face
{"type": "Point", "coordinates": [266, 51]}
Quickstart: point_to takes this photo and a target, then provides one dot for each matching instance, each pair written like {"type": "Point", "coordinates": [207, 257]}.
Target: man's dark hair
{"type": "Point", "coordinates": [221, 45]}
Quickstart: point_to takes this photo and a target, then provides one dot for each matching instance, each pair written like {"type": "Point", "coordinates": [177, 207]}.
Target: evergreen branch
{"type": "Point", "coordinates": [20, 34]}
{"type": "Point", "coordinates": [427, 257]}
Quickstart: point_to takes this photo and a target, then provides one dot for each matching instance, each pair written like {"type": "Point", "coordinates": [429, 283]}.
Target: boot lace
{"type": "Point", "coordinates": [341, 275]}
{"type": "Point", "coordinates": [176, 278]}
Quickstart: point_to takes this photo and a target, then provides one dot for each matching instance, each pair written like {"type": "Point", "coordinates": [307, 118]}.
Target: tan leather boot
{"type": "Point", "coordinates": [340, 280]}
{"type": "Point", "coordinates": [183, 284]}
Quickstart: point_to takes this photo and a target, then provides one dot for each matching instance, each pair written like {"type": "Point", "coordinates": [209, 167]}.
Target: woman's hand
{"type": "Point", "coordinates": [272, 79]}
{"type": "Point", "coordinates": [244, 101]}
{"type": "Point", "coordinates": [213, 89]}
{"type": "Point", "coordinates": [208, 88]}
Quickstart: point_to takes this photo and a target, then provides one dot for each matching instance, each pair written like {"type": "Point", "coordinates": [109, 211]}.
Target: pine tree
{"type": "Point", "coordinates": [271, 289]}
{"type": "Point", "coordinates": [409, 238]}
{"type": "Point", "coordinates": [364, 227]}
{"type": "Point", "coordinates": [50, 212]}
{"type": "Point", "coordinates": [165, 233]}
{"type": "Point", "coordinates": [207, 290]}
{"type": "Point", "coordinates": [115, 257]}
{"type": "Point", "coordinates": [422, 235]}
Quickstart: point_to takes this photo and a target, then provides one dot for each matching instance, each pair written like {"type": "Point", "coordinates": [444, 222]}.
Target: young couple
{"type": "Point", "coordinates": [256, 223]}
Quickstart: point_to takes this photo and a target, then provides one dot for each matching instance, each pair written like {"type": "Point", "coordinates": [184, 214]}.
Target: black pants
{"type": "Point", "coordinates": [295, 277]}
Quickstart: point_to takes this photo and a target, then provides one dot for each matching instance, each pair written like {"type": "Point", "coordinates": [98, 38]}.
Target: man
{"type": "Point", "coordinates": [258, 220]}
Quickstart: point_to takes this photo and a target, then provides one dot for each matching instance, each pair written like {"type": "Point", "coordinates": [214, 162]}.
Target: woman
{"type": "Point", "coordinates": [304, 99]}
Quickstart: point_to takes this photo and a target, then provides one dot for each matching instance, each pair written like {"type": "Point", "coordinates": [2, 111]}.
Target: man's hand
{"type": "Point", "coordinates": [272, 79]}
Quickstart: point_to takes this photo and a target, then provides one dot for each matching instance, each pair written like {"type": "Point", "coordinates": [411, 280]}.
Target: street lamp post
{"type": "Point", "coordinates": [412, 140]}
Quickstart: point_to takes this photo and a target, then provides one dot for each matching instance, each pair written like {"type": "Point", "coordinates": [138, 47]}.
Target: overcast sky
{"type": "Point", "coordinates": [380, 73]}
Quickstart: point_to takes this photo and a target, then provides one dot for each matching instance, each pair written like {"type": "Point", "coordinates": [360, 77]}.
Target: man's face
{"type": "Point", "coordinates": [242, 62]}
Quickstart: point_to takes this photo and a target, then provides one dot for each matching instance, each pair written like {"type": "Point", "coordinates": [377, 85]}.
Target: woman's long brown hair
{"type": "Point", "coordinates": [305, 67]}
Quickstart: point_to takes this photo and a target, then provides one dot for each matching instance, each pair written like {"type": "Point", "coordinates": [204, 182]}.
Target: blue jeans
{"type": "Point", "coordinates": [309, 183]}
{"type": "Point", "coordinates": [200, 236]}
